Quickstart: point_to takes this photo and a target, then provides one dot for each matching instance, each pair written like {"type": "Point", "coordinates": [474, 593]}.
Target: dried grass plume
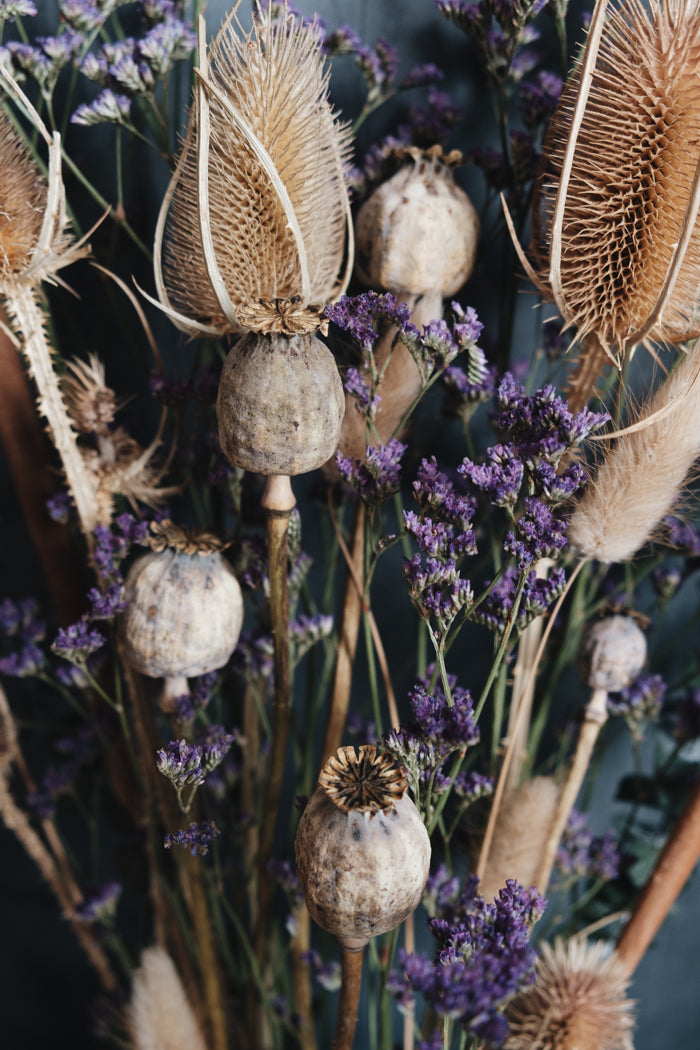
{"type": "Point", "coordinates": [257, 209]}
{"type": "Point", "coordinates": [578, 1002]}
{"type": "Point", "coordinates": [615, 229]}
{"type": "Point", "coordinates": [159, 1015]}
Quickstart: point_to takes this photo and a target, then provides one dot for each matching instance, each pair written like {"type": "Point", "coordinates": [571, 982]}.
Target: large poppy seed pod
{"type": "Point", "coordinates": [280, 404]}
{"type": "Point", "coordinates": [612, 653]}
{"type": "Point", "coordinates": [184, 607]}
{"type": "Point", "coordinates": [362, 850]}
{"type": "Point", "coordinates": [417, 233]}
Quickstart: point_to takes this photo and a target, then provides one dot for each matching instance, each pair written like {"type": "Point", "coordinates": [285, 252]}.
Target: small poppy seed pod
{"type": "Point", "coordinates": [280, 403]}
{"type": "Point", "coordinates": [418, 231]}
{"type": "Point", "coordinates": [612, 653]}
{"type": "Point", "coordinates": [362, 850]}
{"type": "Point", "coordinates": [184, 608]}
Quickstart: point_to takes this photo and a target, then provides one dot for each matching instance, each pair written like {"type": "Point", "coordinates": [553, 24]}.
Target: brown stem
{"type": "Point", "coordinates": [351, 982]}
{"type": "Point", "coordinates": [278, 501]}
{"type": "Point", "coordinates": [301, 978]}
{"type": "Point", "coordinates": [27, 454]}
{"type": "Point", "coordinates": [671, 871]}
{"type": "Point", "coordinates": [193, 875]}
{"type": "Point", "coordinates": [594, 718]}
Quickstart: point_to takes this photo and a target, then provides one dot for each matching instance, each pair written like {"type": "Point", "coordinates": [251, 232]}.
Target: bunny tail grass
{"type": "Point", "coordinates": [159, 1015]}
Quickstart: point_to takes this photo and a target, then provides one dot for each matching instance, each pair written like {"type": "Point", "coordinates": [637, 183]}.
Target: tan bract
{"type": "Point", "coordinates": [577, 1002]}
{"type": "Point", "coordinates": [615, 215]}
{"type": "Point", "coordinates": [258, 207]}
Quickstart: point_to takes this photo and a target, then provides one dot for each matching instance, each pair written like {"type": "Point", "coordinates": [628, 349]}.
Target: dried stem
{"type": "Point", "coordinates": [671, 871]}
{"type": "Point", "coordinates": [351, 965]}
{"type": "Point", "coordinates": [301, 979]}
{"type": "Point", "coordinates": [594, 718]}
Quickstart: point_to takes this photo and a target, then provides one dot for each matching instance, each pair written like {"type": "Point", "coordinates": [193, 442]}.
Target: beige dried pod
{"type": "Point", "coordinates": [184, 609]}
{"type": "Point", "coordinates": [612, 653]}
{"type": "Point", "coordinates": [615, 216]}
{"type": "Point", "coordinates": [578, 1002]}
{"type": "Point", "coordinates": [280, 404]}
{"type": "Point", "coordinates": [417, 232]}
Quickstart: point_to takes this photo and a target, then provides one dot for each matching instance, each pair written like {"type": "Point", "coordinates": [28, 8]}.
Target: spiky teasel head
{"type": "Point", "coordinates": [22, 200]}
{"type": "Point", "coordinates": [578, 1002]}
{"type": "Point", "coordinates": [257, 213]}
{"type": "Point", "coordinates": [615, 214]}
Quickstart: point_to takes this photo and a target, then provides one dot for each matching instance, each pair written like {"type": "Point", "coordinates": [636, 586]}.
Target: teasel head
{"type": "Point", "coordinates": [615, 213]}
{"type": "Point", "coordinates": [184, 608]}
{"type": "Point", "coordinates": [578, 1002]}
{"type": "Point", "coordinates": [254, 232]}
{"type": "Point", "coordinates": [362, 850]}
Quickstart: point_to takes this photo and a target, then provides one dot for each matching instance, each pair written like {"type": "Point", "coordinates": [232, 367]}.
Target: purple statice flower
{"type": "Point", "coordinates": [361, 316]}
{"type": "Point", "coordinates": [437, 589]}
{"type": "Point", "coordinates": [586, 855]}
{"type": "Point", "coordinates": [77, 751]}
{"type": "Point", "coordinates": [471, 785]}
{"type": "Point", "coordinates": [84, 15]}
{"type": "Point", "coordinates": [421, 76]}
{"type": "Point", "coordinates": [538, 533]}
{"type": "Point", "coordinates": [24, 663]}
{"type": "Point", "coordinates": [500, 479]}
{"type": "Point", "coordinates": [167, 42]}
{"type": "Point", "coordinates": [683, 536]}
{"type": "Point", "coordinates": [666, 580]}
{"type": "Point", "coordinates": [109, 107]}
{"type": "Point", "coordinates": [30, 60]}
{"type": "Point", "coordinates": [112, 546]}
{"type": "Point", "coordinates": [555, 342]}
{"type": "Point", "coordinates": [306, 631]}
{"type": "Point", "coordinates": [186, 764]}
{"type": "Point", "coordinates": [342, 41]}
{"type": "Point", "coordinates": [105, 605]}
{"type": "Point", "coordinates": [466, 14]}
{"type": "Point", "coordinates": [358, 385]}
{"type": "Point", "coordinates": [379, 476]}
{"type": "Point", "coordinates": [496, 609]}
{"type": "Point", "coordinates": [12, 9]}
{"type": "Point", "coordinates": [197, 837]}
{"type": "Point", "coordinates": [441, 891]}
{"type": "Point", "coordinates": [537, 103]}
{"type": "Point", "coordinates": [483, 958]}
{"type": "Point", "coordinates": [639, 702]}
{"type": "Point", "coordinates": [100, 906]}
{"type": "Point", "coordinates": [59, 507]}
{"type": "Point", "coordinates": [77, 642]}
{"type": "Point", "coordinates": [326, 973]}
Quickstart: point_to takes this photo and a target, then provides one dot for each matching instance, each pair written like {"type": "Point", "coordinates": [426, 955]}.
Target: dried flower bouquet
{"type": "Point", "coordinates": [350, 583]}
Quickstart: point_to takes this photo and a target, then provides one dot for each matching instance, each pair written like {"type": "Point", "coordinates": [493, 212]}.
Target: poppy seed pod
{"type": "Point", "coordinates": [362, 850]}
{"type": "Point", "coordinates": [295, 376]}
{"type": "Point", "coordinates": [417, 232]}
{"type": "Point", "coordinates": [184, 607]}
{"type": "Point", "coordinates": [612, 653]}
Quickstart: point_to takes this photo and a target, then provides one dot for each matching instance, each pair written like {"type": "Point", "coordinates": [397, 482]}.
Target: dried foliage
{"type": "Point", "coordinates": [616, 242]}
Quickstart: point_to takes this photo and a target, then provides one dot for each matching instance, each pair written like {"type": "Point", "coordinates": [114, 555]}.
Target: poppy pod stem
{"type": "Point", "coordinates": [351, 982]}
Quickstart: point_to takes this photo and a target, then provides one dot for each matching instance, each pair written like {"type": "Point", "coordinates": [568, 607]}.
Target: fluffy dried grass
{"type": "Point", "coordinates": [258, 205]}
{"type": "Point", "coordinates": [577, 1002]}
{"type": "Point", "coordinates": [615, 229]}
{"type": "Point", "coordinates": [159, 1015]}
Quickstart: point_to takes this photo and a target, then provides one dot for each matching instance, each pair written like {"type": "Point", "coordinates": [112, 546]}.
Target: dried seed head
{"type": "Point", "coordinates": [165, 534]}
{"type": "Point", "coordinates": [184, 612]}
{"type": "Point", "coordinates": [418, 231]}
{"type": "Point", "coordinates": [22, 202]}
{"type": "Point", "coordinates": [362, 851]}
{"type": "Point", "coordinates": [258, 205]}
{"type": "Point", "coordinates": [280, 404]}
{"type": "Point", "coordinates": [159, 1014]}
{"type": "Point", "coordinates": [612, 653]}
{"type": "Point", "coordinates": [577, 1002]}
{"type": "Point", "coordinates": [91, 404]}
{"type": "Point", "coordinates": [614, 257]}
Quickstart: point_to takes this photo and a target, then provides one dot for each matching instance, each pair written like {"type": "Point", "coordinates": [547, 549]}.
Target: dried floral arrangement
{"type": "Point", "coordinates": [348, 579]}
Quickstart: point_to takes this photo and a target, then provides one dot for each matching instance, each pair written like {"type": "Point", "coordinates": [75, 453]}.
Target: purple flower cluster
{"type": "Point", "coordinates": [639, 702]}
{"type": "Point", "coordinates": [378, 476]}
{"type": "Point", "coordinates": [100, 906]}
{"type": "Point", "coordinates": [436, 346]}
{"type": "Point", "coordinates": [197, 838]}
{"type": "Point", "coordinates": [586, 855]}
{"type": "Point", "coordinates": [537, 595]}
{"type": "Point", "coordinates": [78, 750]}
{"type": "Point", "coordinates": [484, 957]}
{"type": "Point", "coordinates": [197, 699]}
{"type": "Point", "coordinates": [45, 58]}
{"type": "Point", "coordinates": [538, 533]}
{"type": "Point", "coordinates": [19, 621]}
{"type": "Point", "coordinates": [186, 764]}
{"type": "Point", "coordinates": [59, 507]}
{"type": "Point", "coordinates": [359, 386]}
{"type": "Point", "coordinates": [113, 545]}
{"type": "Point", "coordinates": [362, 316]}
{"type": "Point", "coordinates": [11, 9]}
{"type": "Point", "coordinates": [77, 642]}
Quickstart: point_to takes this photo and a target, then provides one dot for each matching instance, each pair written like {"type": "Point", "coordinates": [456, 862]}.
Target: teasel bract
{"type": "Point", "coordinates": [615, 213]}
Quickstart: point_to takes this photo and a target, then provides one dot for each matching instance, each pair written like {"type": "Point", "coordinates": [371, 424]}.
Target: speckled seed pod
{"type": "Point", "coordinates": [362, 851]}
{"type": "Point", "coordinates": [417, 233]}
{"type": "Point", "coordinates": [612, 653]}
{"type": "Point", "coordinates": [184, 613]}
{"type": "Point", "coordinates": [280, 404]}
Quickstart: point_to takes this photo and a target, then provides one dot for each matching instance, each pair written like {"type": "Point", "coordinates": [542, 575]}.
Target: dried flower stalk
{"type": "Point", "coordinates": [615, 214]}
{"type": "Point", "coordinates": [159, 1015]}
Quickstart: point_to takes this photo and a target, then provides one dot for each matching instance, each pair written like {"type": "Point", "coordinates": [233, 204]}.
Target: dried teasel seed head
{"type": "Point", "coordinates": [362, 850]}
{"type": "Point", "coordinates": [22, 202]}
{"type": "Point", "coordinates": [417, 233]}
{"type": "Point", "coordinates": [91, 404]}
{"type": "Point", "coordinates": [612, 653]}
{"type": "Point", "coordinates": [578, 1002]}
{"type": "Point", "coordinates": [615, 243]}
{"type": "Point", "coordinates": [184, 608]}
{"type": "Point", "coordinates": [280, 404]}
{"type": "Point", "coordinates": [258, 207]}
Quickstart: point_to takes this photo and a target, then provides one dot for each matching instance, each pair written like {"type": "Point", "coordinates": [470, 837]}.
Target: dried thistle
{"type": "Point", "coordinates": [615, 215]}
{"type": "Point", "coordinates": [577, 1002]}
{"type": "Point", "coordinates": [257, 208]}
{"type": "Point", "coordinates": [159, 1015]}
